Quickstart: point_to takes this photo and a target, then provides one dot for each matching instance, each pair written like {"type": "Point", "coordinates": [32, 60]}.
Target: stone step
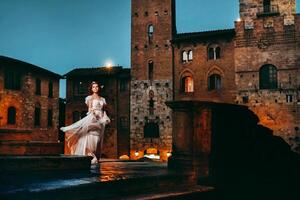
{"type": "Point", "coordinates": [184, 193]}
{"type": "Point", "coordinates": [15, 134]}
{"type": "Point", "coordinates": [16, 148]}
{"type": "Point", "coordinates": [23, 164]}
{"type": "Point", "coordinates": [146, 188]}
{"type": "Point", "coordinates": [114, 180]}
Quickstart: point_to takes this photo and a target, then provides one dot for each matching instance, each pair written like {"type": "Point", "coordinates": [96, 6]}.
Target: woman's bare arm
{"type": "Point", "coordinates": [90, 106]}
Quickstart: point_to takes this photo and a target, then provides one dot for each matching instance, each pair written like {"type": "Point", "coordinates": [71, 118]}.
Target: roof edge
{"type": "Point", "coordinates": [9, 59]}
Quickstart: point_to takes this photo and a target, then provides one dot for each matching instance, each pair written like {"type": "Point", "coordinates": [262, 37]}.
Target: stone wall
{"type": "Point", "coordinates": [251, 9]}
{"type": "Point", "coordinates": [155, 48]}
{"type": "Point", "coordinates": [277, 45]}
{"type": "Point", "coordinates": [140, 115]}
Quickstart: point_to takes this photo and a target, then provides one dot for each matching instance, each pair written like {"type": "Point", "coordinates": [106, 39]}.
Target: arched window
{"type": "Point", "coordinates": [12, 79]}
{"type": "Point", "coordinates": [187, 56]}
{"type": "Point", "coordinates": [123, 85]}
{"type": "Point", "coordinates": [50, 117]}
{"type": "Point", "coordinates": [184, 56]}
{"type": "Point", "coordinates": [151, 102]}
{"type": "Point", "coordinates": [214, 82]}
{"type": "Point", "coordinates": [123, 123]}
{"type": "Point", "coordinates": [37, 115]}
{"type": "Point", "coordinates": [50, 89]}
{"type": "Point", "coordinates": [11, 115]}
{"type": "Point", "coordinates": [214, 52]}
{"type": "Point", "coordinates": [38, 86]}
{"type": "Point", "coordinates": [151, 106]}
{"type": "Point", "coordinates": [211, 53]}
{"type": "Point", "coordinates": [76, 116]}
{"type": "Point", "coordinates": [150, 32]}
{"type": "Point", "coordinates": [267, 6]}
{"type": "Point", "coordinates": [190, 55]}
{"type": "Point", "coordinates": [187, 84]}
{"type": "Point", "coordinates": [218, 52]}
{"type": "Point", "coordinates": [268, 77]}
{"type": "Point", "coordinates": [150, 70]}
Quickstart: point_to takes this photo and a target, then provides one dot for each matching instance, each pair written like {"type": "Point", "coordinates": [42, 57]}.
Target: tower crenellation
{"type": "Point", "coordinates": [253, 9]}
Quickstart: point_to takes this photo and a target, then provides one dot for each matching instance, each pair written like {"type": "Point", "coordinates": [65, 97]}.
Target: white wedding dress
{"type": "Point", "coordinates": [83, 136]}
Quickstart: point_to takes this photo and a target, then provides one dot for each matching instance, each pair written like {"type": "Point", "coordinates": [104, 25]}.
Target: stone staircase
{"type": "Point", "coordinates": [109, 180]}
{"type": "Point", "coordinates": [29, 148]}
{"type": "Point", "coordinates": [28, 164]}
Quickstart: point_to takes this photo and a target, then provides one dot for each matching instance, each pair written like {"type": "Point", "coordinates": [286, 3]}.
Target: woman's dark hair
{"type": "Point", "coordinates": [91, 86]}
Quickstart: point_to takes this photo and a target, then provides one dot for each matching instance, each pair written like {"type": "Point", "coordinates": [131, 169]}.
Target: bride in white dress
{"type": "Point", "coordinates": [84, 135]}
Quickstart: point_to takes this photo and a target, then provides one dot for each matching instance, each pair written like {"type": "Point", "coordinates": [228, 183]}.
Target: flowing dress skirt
{"type": "Point", "coordinates": [83, 136]}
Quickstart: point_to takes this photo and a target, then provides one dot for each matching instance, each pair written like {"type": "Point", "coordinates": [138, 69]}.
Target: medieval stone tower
{"type": "Point", "coordinates": [267, 64]}
{"type": "Point", "coordinates": [152, 28]}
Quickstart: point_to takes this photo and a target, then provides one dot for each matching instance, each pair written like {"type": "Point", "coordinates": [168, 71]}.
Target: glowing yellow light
{"type": "Point", "coordinates": [124, 157]}
{"type": "Point", "coordinates": [152, 156]}
{"type": "Point", "coordinates": [136, 153]}
{"type": "Point", "coordinates": [151, 151]}
{"type": "Point", "coordinates": [169, 154]}
{"type": "Point", "coordinates": [109, 63]}
{"type": "Point", "coordinates": [238, 19]}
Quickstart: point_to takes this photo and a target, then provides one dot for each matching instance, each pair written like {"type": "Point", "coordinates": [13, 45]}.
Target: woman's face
{"type": "Point", "coordinates": [95, 88]}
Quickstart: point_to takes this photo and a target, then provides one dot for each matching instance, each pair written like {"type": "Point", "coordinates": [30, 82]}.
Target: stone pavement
{"type": "Point", "coordinates": [111, 179]}
{"type": "Point", "coordinates": [44, 162]}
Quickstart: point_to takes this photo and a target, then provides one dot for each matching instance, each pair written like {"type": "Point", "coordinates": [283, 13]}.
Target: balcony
{"type": "Point", "coordinates": [269, 10]}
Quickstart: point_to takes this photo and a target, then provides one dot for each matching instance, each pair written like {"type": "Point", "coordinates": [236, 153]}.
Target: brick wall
{"type": "Point", "coordinates": [159, 13]}
{"type": "Point", "coordinates": [201, 68]}
{"type": "Point", "coordinates": [277, 45]}
{"type": "Point", "coordinates": [24, 100]}
{"type": "Point", "coordinates": [157, 48]}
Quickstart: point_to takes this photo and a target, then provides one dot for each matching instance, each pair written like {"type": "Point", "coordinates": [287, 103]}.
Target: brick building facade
{"type": "Point", "coordinates": [152, 28]}
{"type": "Point", "coordinates": [267, 63]}
{"type": "Point", "coordinates": [204, 66]}
{"type": "Point", "coordinates": [255, 64]}
{"type": "Point", "coordinates": [29, 107]}
{"type": "Point", "coordinates": [115, 88]}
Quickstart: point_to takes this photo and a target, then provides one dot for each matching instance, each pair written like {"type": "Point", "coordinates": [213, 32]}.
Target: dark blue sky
{"type": "Point", "coordinates": [63, 34]}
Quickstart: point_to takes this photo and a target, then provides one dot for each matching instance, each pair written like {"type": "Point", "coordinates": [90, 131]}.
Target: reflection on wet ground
{"type": "Point", "coordinates": [104, 172]}
{"type": "Point", "coordinates": [110, 179]}
{"type": "Point", "coordinates": [109, 171]}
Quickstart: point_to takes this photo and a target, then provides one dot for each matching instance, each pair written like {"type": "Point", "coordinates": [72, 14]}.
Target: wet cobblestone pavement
{"type": "Point", "coordinates": [111, 179]}
{"type": "Point", "coordinates": [109, 171]}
